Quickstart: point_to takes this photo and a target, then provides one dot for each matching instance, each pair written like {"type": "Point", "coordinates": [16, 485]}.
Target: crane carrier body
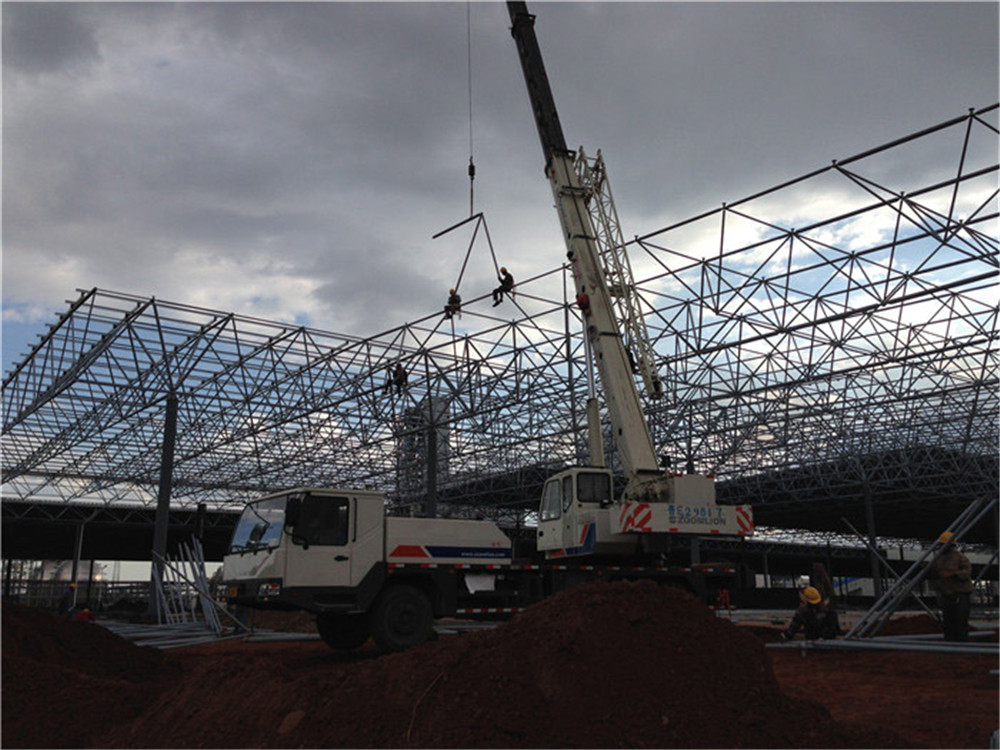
{"type": "Point", "coordinates": [337, 554]}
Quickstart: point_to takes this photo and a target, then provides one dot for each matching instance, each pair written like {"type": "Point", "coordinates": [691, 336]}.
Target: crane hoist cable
{"type": "Point", "coordinates": [472, 164]}
{"type": "Point", "coordinates": [479, 218]}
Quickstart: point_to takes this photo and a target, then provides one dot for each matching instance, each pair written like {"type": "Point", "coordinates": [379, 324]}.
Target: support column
{"type": "Point", "coordinates": [163, 505]}
{"type": "Point", "coordinates": [90, 584]}
{"type": "Point", "coordinates": [430, 505]}
{"type": "Point", "coordinates": [7, 578]}
{"type": "Point", "coordinates": [199, 522]}
{"type": "Point", "coordinates": [77, 552]}
{"type": "Point", "coordinates": [873, 545]}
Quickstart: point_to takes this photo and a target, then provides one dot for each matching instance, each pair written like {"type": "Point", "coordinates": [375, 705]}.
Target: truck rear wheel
{"type": "Point", "coordinates": [402, 617]}
{"type": "Point", "coordinates": [342, 632]}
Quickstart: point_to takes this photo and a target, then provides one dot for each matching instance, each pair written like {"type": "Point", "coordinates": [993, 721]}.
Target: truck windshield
{"type": "Point", "coordinates": [259, 526]}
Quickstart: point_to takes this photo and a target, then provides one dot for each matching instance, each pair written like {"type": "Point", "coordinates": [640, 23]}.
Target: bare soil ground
{"type": "Point", "coordinates": [602, 665]}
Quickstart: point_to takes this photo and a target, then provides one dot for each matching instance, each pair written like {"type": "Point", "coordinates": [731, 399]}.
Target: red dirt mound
{"type": "Point", "coordinates": [63, 682]}
{"type": "Point", "coordinates": [41, 636]}
{"type": "Point", "coordinates": [601, 665]}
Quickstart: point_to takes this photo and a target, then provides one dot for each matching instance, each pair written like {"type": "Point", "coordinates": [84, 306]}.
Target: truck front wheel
{"type": "Point", "coordinates": [342, 632]}
{"type": "Point", "coordinates": [402, 617]}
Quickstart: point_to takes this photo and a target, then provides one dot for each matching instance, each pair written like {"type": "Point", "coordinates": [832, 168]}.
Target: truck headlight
{"type": "Point", "coordinates": [269, 589]}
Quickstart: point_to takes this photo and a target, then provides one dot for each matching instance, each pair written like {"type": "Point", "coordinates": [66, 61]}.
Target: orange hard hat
{"type": "Point", "coordinates": [503, 269]}
{"type": "Point", "coordinates": [946, 537]}
{"type": "Point", "coordinates": [812, 595]}
{"type": "Point", "coordinates": [451, 291]}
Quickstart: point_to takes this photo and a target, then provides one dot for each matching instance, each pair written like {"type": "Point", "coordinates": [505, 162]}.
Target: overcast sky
{"type": "Point", "coordinates": [292, 161]}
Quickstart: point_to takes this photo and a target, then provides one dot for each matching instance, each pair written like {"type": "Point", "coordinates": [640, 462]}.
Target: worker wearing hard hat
{"type": "Point", "coordinates": [816, 617]}
{"type": "Point", "coordinates": [952, 572]}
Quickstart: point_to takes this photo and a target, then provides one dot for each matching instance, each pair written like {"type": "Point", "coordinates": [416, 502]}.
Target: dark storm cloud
{"type": "Point", "coordinates": [286, 159]}
{"type": "Point", "coordinates": [725, 99]}
{"type": "Point", "coordinates": [46, 37]}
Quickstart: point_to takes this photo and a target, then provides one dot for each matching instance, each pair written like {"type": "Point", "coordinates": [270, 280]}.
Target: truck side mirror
{"type": "Point", "coordinates": [299, 538]}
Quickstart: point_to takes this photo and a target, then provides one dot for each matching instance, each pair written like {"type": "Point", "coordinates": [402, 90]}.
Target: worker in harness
{"type": "Point", "coordinates": [454, 305]}
{"type": "Point", "coordinates": [816, 617]}
{"type": "Point", "coordinates": [397, 378]}
{"type": "Point", "coordinates": [506, 285]}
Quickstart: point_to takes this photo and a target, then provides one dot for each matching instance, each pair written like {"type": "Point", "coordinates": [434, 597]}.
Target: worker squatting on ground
{"type": "Point", "coordinates": [454, 305]}
{"type": "Point", "coordinates": [506, 285]}
{"type": "Point", "coordinates": [953, 573]}
{"type": "Point", "coordinates": [816, 617]}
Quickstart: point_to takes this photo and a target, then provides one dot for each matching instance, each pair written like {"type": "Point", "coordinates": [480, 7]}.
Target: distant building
{"type": "Point", "coordinates": [412, 455]}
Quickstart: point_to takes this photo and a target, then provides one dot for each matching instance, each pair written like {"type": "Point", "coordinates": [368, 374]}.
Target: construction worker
{"type": "Point", "coordinates": [506, 285]}
{"type": "Point", "coordinates": [395, 376]}
{"type": "Point", "coordinates": [814, 616]}
{"type": "Point", "coordinates": [66, 601]}
{"type": "Point", "coordinates": [952, 572]}
{"type": "Point", "coordinates": [454, 305]}
{"type": "Point", "coordinates": [399, 377]}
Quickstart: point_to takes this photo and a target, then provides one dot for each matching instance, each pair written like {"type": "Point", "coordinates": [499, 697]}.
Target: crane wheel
{"type": "Point", "coordinates": [342, 632]}
{"type": "Point", "coordinates": [402, 617]}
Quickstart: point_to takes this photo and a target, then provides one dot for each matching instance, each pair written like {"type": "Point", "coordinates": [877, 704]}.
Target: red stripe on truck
{"type": "Point", "coordinates": [409, 550]}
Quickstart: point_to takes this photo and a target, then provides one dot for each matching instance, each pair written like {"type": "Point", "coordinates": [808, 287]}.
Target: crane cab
{"type": "Point", "coordinates": [575, 515]}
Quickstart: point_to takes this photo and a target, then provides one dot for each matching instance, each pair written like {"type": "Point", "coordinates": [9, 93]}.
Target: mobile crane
{"type": "Point", "coordinates": [578, 514]}
{"type": "Point", "coordinates": [335, 553]}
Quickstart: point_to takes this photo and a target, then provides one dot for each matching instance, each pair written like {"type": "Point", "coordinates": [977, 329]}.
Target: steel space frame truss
{"type": "Point", "coordinates": [854, 327]}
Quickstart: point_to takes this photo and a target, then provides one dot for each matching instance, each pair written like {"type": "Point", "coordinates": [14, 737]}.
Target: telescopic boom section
{"type": "Point", "coordinates": [631, 433]}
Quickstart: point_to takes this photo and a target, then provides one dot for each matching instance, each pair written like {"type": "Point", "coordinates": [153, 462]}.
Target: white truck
{"type": "Point", "coordinates": [335, 553]}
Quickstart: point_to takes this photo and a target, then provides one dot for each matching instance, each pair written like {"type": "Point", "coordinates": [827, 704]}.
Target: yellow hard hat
{"type": "Point", "coordinates": [812, 595]}
{"type": "Point", "coordinates": [946, 537]}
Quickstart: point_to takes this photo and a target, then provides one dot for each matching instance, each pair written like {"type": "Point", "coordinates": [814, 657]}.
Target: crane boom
{"type": "Point", "coordinates": [635, 446]}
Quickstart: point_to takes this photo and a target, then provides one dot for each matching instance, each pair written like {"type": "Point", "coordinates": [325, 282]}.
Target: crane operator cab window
{"type": "Point", "coordinates": [567, 492]}
{"type": "Point", "coordinates": [593, 487]}
{"type": "Point", "coordinates": [319, 519]}
{"type": "Point", "coordinates": [551, 501]}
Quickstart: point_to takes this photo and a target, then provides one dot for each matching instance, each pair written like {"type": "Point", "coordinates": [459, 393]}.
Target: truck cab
{"type": "Point", "coordinates": [336, 554]}
{"type": "Point", "coordinates": [307, 548]}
